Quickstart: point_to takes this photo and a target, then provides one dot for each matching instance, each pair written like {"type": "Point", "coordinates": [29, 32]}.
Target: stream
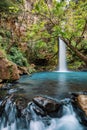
{"type": "Point", "coordinates": [56, 85]}
{"type": "Point", "coordinates": [10, 121]}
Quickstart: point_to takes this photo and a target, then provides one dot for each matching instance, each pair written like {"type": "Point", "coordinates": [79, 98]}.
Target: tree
{"type": "Point", "coordinates": [62, 19]}
{"type": "Point", "coordinates": [10, 26]}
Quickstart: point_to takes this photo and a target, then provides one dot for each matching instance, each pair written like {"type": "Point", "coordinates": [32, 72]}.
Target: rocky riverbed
{"type": "Point", "coordinates": [43, 106]}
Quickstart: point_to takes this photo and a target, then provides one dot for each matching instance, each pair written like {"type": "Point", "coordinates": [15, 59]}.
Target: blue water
{"type": "Point", "coordinates": [54, 84]}
{"type": "Point", "coordinates": [57, 76]}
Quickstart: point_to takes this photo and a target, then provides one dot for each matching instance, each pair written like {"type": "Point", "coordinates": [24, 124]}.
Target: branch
{"type": "Point", "coordinates": [81, 37]}
{"type": "Point", "coordinates": [74, 49]}
{"type": "Point", "coordinates": [54, 55]}
{"type": "Point", "coordinates": [44, 15]}
{"type": "Point", "coordinates": [42, 38]}
{"type": "Point", "coordinates": [48, 8]}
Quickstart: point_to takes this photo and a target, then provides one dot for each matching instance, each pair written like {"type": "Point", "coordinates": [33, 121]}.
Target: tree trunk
{"type": "Point", "coordinates": [78, 53]}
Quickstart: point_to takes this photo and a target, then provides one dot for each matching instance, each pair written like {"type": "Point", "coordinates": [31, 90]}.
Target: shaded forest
{"type": "Point", "coordinates": [29, 32]}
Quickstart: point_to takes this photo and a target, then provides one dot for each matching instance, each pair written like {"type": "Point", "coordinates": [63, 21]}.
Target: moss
{"type": "Point", "coordinates": [2, 53]}
{"type": "Point", "coordinates": [76, 65]}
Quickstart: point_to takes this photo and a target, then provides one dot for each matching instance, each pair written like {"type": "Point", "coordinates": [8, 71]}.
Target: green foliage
{"type": "Point", "coordinates": [17, 57]}
{"type": "Point", "coordinates": [3, 53]}
{"type": "Point", "coordinates": [33, 30]}
{"type": "Point", "coordinates": [13, 9]}
{"type": "Point", "coordinates": [54, 19]}
{"type": "Point", "coordinates": [84, 44]}
{"type": "Point", "coordinates": [40, 45]}
{"type": "Point", "coordinates": [76, 65]}
{"type": "Point", "coordinates": [4, 4]}
{"type": "Point", "coordinates": [32, 69]}
{"type": "Point", "coordinates": [8, 33]}
{"type": "Point", "coordinates": [1, 39]}
{"type": "Point", "coordinates": [5, 36]}
{"type": "Point", "coordinates": [61, 19]}
{"type": "Point", "coordinates": [10, 6]}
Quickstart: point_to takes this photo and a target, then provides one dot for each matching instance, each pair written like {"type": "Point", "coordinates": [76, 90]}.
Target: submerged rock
{"type": "Point", "coordinates": [46, 104]}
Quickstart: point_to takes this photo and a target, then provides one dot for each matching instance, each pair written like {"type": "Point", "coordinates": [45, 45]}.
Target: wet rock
{"type": "Point", "coordinates": [80, 107]}
{"type": "Point", "coordinates": [46, 104]}
{"type": "Point", "coordinates": [39, 111]}
{"type": "Point", "coordinates": [0, 80]}
{"type": "Point", "coordinates": [8, 70]}
{"type": "Point", "coordinates": [11, 91]}
{"type": "Point", "coordinates": [1, 85]}
{"type": "Point", "coordinates": [21, 102]}
{"type": "Point", "coordinates": [82, 101]}
{"type": "Point", "coordinates": [84, 69]}
{"type": "Point", "coordinates": [26, 113]}
{"type": "Point", "coordinates": [2, 105]}
{"type": "Point", "coordinates": [6, 86]}
{"type": "Point", "coordinates": [22, 70]}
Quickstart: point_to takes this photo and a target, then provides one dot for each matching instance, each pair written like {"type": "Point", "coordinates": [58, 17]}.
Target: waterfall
{"type": "Point", "coordinates": [62, 56]}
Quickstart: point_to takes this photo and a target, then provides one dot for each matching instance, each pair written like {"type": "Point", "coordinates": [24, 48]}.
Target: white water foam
{"type": "Point", "coordinates": [67, 122]}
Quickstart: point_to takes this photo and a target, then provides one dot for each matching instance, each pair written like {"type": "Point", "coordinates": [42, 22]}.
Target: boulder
{"type": "Point", "coordinates": [82, 101]}
{"type": "Point", "coordinates": [21, 102]}
{"type": "Point", "coordinates": [8, 69]}
{"type": "Point", "coordinates": [46, 104]}
{"type": "Point", "coordinates": [39, 111]}
{"type": "Point", "coordinates": [80, 106]}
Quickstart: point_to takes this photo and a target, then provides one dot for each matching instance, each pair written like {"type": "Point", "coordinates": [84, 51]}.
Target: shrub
{"type": "Point", "coordinates": [17, 57]}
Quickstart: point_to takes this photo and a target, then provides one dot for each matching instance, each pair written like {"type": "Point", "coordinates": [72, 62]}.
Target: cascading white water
{"type": "Point", "coordinates": [62, 56]}
{"type": "Point", "coordinates": [67, 122]}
